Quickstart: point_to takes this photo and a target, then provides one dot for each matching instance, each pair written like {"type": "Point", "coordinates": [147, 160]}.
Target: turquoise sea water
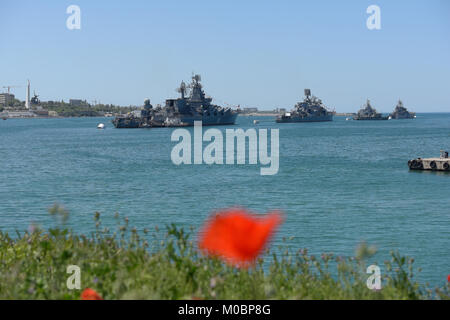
{"type": "Point", "coordinates": [339, 182]}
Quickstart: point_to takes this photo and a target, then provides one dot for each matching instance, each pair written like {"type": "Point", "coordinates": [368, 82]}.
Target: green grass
{"type": "Point", "coordinates": [122, 264]}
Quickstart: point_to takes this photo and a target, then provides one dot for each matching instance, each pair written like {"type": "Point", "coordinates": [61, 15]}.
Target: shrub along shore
{"type": "Point", "coordinates": [125, 264]}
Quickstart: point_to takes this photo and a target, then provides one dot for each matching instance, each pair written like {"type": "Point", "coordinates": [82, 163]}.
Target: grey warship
{"type": "Point", "coordinates": [128, 121]}
{"type": "Point", "coordinates": [400, 112]}
{"type": "Point", "coordinates": [369, 113]}
{"type": "Point", "coordinates": [181, 112]}
{"type": "Point", "coordinates": [311, 109]}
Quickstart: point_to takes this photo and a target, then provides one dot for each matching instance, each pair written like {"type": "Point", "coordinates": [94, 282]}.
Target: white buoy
{"type": "Point", "coordinates": [100, 126]}
{"type": "Point", "coordinates": [390, 118]}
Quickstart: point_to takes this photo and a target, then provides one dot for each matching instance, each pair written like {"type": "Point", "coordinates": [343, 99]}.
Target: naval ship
{"type": "Point", "coordinates": [311, 109]}
{"type": "Point", "coordinates": [369, 113]}
{"type": "Point", "coordinates": [400, 112]}
{"type": "Point", "coordinates": [181, 112]}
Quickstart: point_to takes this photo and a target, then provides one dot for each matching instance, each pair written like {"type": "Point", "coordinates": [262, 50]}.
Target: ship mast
{"type": "Point", "coordinates": [307, 93]}
{"type": "Point", "coordinates": [182, 89]}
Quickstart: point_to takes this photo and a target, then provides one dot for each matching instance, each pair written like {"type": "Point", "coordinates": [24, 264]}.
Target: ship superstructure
{"type": "Point", "coordinates": [311, 109]}
{"type": "Point", "coordinates": [400, 112]}
{"type": "Point", "coordinates": [369, 113]}
{"type": "Point", "coordinates": [193, 105]}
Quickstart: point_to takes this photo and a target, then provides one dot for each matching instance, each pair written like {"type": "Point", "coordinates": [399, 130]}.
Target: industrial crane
{"type": "Point", "coordinates": [9, 87]}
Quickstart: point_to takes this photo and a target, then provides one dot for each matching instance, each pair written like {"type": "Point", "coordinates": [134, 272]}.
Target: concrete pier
{"type": "Point", "coordinates": [435, 164]}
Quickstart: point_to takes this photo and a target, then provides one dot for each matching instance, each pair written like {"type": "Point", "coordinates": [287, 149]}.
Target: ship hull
{"type": "Point", "coordinates": [400, 117]}
{"type": "Point", "coordinates": [126, 123]}
{"type": "Point", "coordinates": [305, 119]}
{"type": "Point", "coordinates": [210, 120]}
{"type": "Point", "coordinates": [184, 121]}
{"type": "Point", "coordinates": [371, 118]}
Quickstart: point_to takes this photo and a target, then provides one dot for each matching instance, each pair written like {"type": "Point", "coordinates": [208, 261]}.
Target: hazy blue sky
{"type": "Point", "coordinates": [252, 53]}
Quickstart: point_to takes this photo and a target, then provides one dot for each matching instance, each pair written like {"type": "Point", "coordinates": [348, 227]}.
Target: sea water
{"type": "Point", "coordinates": [339, 183]}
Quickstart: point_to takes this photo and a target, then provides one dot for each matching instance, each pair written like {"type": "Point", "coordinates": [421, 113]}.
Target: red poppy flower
{"type": "Point", "coordinates": [448, 278]}
{"type": "Point", "coordinates": [89, 294]}
{"type": "Point", "coordinates": [237, 235]}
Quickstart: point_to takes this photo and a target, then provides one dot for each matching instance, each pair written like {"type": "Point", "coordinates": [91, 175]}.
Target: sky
{"type": "Point", "coordinates": [249, 53]}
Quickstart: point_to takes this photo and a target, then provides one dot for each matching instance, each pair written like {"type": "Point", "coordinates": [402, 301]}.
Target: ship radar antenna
{"type": "Point", "coordinates": [182, 89]}
{"type": "Point", "coordinates": [195, 82]}
{"type": "Point", "coordinates": [197, 78]}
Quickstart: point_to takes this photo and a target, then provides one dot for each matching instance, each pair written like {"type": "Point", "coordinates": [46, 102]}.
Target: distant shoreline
{"type": "Point", "coordinates": [57, 117]}
{"type": "Point", "coordinates": [9, 118]}
{"type": "Point", "coordinates": [271, 114]}
{"type": "Point", "coordinates": [252, 114]}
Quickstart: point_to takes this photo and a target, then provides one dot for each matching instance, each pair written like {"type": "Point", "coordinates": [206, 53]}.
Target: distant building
{"type": "Point", "coordinates": [21, 114]}
{"type": "Point", "coordinates": [41, 113]}
{"type": "Point", "coordinates": [280, 110]}
{"type": "Point", "coordinates": [52, 113]}
{"type": "Point", "coordinates": [76, 102]}
{"type": "Point", "coordinates": [27, 98]}
{"type": "Point", "coordinates": [6, 98]}
{"type": "Point", "coordinates": [250, 110]}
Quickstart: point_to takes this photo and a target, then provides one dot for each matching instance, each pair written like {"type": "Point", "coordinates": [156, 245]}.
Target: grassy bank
{"type": "Point", "coordinates": [125, 264]}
